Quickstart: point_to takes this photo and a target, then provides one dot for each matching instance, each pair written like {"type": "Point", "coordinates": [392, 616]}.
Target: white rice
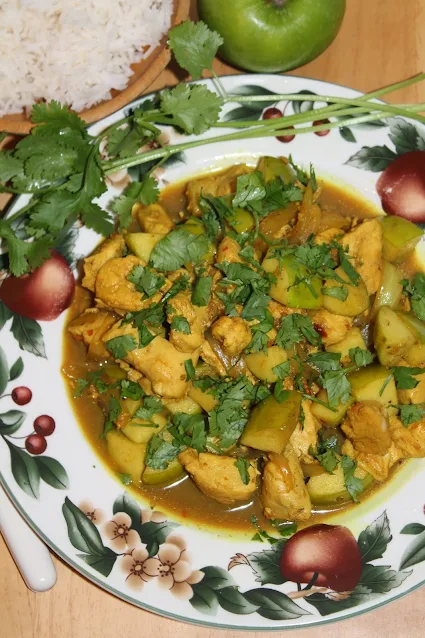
{"type": "Point", "coordinates": [73, 51]}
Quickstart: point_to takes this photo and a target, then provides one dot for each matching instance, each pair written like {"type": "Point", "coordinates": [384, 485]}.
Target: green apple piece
{"type": "Point", "coordinates": [287, 271]}
{"type": "Point", "coordinates": [390, 290]}
{"type": "Point", "coordinates": [415, 356]}
{"type": "Point", "coordinates": [367, 384]}
{"type": "Point", "coordinates": [269, 36]}
{"type": "Point", "coordinates": [273, 167]}
{"type": "Point", "coordinates": [261, 364]}
{"type": "Point", "coordinates": [329, 489]}
{"type": "Point", "coordinates": [128, 456]}
{"type": "Point", "coordinates": [141, 431]}
{"type": "Point", "coordinates": [414, 324]}
{"type": "Point", "coordinates": [399, 237]}
{"type": "Point", "coordinates": [327, 416]}
{"type": "Point", "coordinates": [205, 399]}
{"type": "Point", "coordinates": [170, 474]}
{"type": "Point", "coordinates": [186, 405]}
{"type": "Point", "coordinates": [242, 221]}
{"type": "Point", "coordinates": [142, 244]}
{"type": "Point", "coordinates": [353, 339]}
{"type": "Point", "coordinates": [356, 302]}
{"type": "Point", "coordinates": [271, 423]}
{"type": "Point", "coordinates": [392, 337]}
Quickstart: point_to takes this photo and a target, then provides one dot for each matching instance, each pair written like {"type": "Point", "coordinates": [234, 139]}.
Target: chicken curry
{"type": "Point", "coordinates": [254, 344]}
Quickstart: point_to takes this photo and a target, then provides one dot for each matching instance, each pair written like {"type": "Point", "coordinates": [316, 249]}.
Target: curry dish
{"type": "Point", "coordinates": [254, 344]}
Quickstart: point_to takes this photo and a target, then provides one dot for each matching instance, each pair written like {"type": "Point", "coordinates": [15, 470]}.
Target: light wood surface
{"type": "Point", "coordinates": [381, 41]}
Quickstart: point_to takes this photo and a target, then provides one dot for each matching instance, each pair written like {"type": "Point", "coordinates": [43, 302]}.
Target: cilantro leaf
{"type": "Point", "coordinates": [80, 386]}
{"type": "Point", "coordinates": [282, 370]}
{"type": "Point", "coordinates": [202, 291]}
{"type": "Point", "coordinates": [416, 290]}
{"type": "Point", "coordinates": [404, 377]}
{"type": "Point", "coordinates": [189, 429]}
{"type": "Point", "coordinates": [194, 46]}
{"type": "Point", "coordinates": [294, 328]}
{"type": "Point", "coordinates": [346, 265]}
{"type": "Point", "coordinates": [160, 453]}
{"type": "Point", "coordinates": [325, 360]}
{"type": "Point", "coordinates": [131, 390]}
{"type": "Point", "coordinates": [145, 336]}
{"type": "Point", "coordinates": [256, 306]}
{"type": "Point", "coordinates": [249, 187]}
{"type": "Point", "coordinates": [243, 466]}
{"type": "Point", "coordinates": [9, 166]}
{"type": "Point", "coordinates": [339, 292]}
{"type": "Point", "coordinates": [301, 175]}
{"type": "Point", "coordinates": [190, 370]}
{"type": "Point", "coordinates": [119, 347]}
{"type": "Point", "coordinates": [151, 405]}
{"type": "Point", "coordinates": [280, 394]}
{"type": "Point", "coordinates": [360, 357]}
{"type": "Point", "coordinates": [182, 283]}
{"type": "Point", "coordinates": [337, 385]}
{"type": "Point", "coordinates": [154, 315]}
{"type": "Point", "coordinates": [146, 192]}
{"type": "Point", "coordinates": [259, 332]}
{"type": "Point", "coordinates": [326, 452]}
{"type": "Point", "coordinates": [124, 478]}
{"type": "Point", "coordinates": [177, 248]}
{"type": "Point", "coordinates": [181, 324]}
{"type": "Point", "coordinates": [210, 214]}
{"type": "Point", "coordinates": [230, 416]}
{"type": "Point", "coordinates": [114, 410]}
{"type": "Point", "coordinates": [353, 484]}
{"type": "Point", "coordinates": [57, 115]}
{"type": "Point", "coordinates": [411, 413]}
{"type": "Point", "coordinates": [194, 109]}
{"type": "Point", "coordinates": [146, 280]}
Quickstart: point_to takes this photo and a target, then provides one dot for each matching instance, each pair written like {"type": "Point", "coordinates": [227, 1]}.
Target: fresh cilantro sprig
{"type": "Point", "coordinates": [326, 452]}
{"type": "Point", "coordinates": [416, 291]}
{"type": "Point", "coordinates": [411, 413]}
{"type": "Point", "coordinates": [146, 280]}
{"type": "Point", "coordinates": [294, 328]}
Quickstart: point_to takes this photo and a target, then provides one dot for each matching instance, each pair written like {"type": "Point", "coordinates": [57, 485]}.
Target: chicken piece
{"type": "Point", "coordinates": [378, 465]}
{"type": "Point", "coordinates": [132, 374]}
{"type": "Point", "coordinates": [366, 425]}
{"type": "Point", "coordinates": [198, 317]}
{"type": "Point", "coordinates": [326, 236]}
{"type": "Point", "coordinates": [154, 219]}
{"type": "Point", "coordinates": [305, 435]}
{"type": "Point", "coordinates": [415, 395]}
{"type": "Point", "coordinates": [222, 183]}
{"type": "Point", "coordinates": [284, 494]}
{"type": "Point", "coordinates": [218, 477]}
{"type": "Point", "coordinates": [233, 333]}
{"type": "Point", "coordinates": [159, 361]}
{"type": "Point", "coordinates": [109, 249]}
{"type": "Point", "coordinates": [410, 441]}
{"type": "Point", "coordinates": [332, 328]}
{"type": "Point", "coordinates": [113, 290]}
{"type": "Point", "coordinates": [278, 311]}
{"type": "Point", "coordinates": [90, 327]}
{"type": "Point", "coordinates": [365, 246]}
{"type": "Point", "coordinates": [228, 250]}
{"type": "Point", "coordinates": [209, 356]}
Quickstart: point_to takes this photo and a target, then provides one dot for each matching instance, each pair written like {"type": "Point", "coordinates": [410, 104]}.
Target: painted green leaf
{"type": "Point", "coordinates": [304, 105]}
{"type": "Point", "coordinates": [124, 503]}
{"type": "Point", "coordinates": [5, 314]}
{"type": "Point", "coordinates": [101, 563]}
{"type": "Point", "coordinates": [24, 470]}
{"type": "Point", "coordinates": [413, 528]}
{"type": "Point", "coordinates": [4, 371]}
{"type": "Point", "coordinates": [17, 369]}
{"type": "Point", "coordinates": [217, 578]}
{"type": "Point", "coordinates": [204, 599]}
{"type": "Point", "coordinates": [266, 565]}
{"type": "Point", "coordinates": [274, 605]}
{"type": "Point", "coordinates": [243, 113]}
{"type": "Point", "coordinates": [11, 421]}
{"type": "Point", "coordinates": [372, 158]}
{"type": "Point", "coordinates": [153, 534]}
{"type": "Point", "coordinates": [374, 539]}
{"type": "Point", "coordinates": [326, 606]}
{"type": "Point", "coordinates": [403, 134]}
{"type": "Point", "coordinates": [254, 89]}
{"type": "Point", "coordinates": [415, 552]}
{"type": "Point", "coordinates": [52, 472]}
{"type": "Point", "coordinates": [381, 579]}
{"type": "Point", "coordinates": [231, 599]}
{"type": "Point", "coordinates": [82, 533]}
{"type": "Point", "coordinates": [29, 336]}
{"type": "Point", "coordinates": [347, 134]}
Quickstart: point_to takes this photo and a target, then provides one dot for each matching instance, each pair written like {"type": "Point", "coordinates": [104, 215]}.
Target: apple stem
{"type": "Point", "coordinates": [312, 581]}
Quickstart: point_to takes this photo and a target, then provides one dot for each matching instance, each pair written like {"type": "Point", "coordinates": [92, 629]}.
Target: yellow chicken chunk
{"type": "Point", "coordinates": [109, 249]}
{"type": "Point", "coordinates": [233, 333]}
{"type": "Point", "coordinates": [90, 327]}
{"type": "Point", "coordinates": [284, 494]}
{"type": "Point", "coordinates": [366, 425]}
{"type": "Point", "coordinates": [198, 317]}
{"type": "Point", "coordinates": [378, 465]}
{"type": "Point", "coordinates": [410, 441]}
{"type": "Point", "coordinates": [415, 395]}
{"type": "Point", "coordinates": [365, 246]}
{"type": "Point", "coordinates": [154, 219]}
{"type": "Point", "coordinates": [112, 288]}
{"type": "Point", "coordinates": [304, 436]}
{"type": "Point", "coordinates": [218, 477]}
{"type": "Point", "coordinates": [228, 250]}
{"type": "Point", "coordinates": [220, 184]}
{"type": "Point", "coordinates": [332, 328]}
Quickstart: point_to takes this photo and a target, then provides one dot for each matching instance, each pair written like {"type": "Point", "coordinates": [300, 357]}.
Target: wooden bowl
{"type": "Point", "coordinates": [144, 74]}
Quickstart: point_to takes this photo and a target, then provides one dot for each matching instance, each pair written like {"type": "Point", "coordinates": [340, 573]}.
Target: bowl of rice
{"type": "Point", "coordinates": [95, 56]}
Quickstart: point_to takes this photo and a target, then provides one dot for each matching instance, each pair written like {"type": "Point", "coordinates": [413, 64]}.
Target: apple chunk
{"type": "Point", "coordinates": [44, 293]}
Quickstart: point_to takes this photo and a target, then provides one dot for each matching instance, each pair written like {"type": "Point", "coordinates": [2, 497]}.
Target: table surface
{"type": "Point", "coordinates": [380, 42]}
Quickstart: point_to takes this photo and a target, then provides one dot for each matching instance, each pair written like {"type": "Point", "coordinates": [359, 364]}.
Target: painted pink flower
{"type": "Point", "coordinates": [120, 534]}
{"type": "Point", "coordinates": [153, 516]}
{"type": "Point", "coordinates": [133, 565]}
{"type": "Point", "coordinates": [173, 569]}
{"type": "Point", "coordinates": [94, 514]}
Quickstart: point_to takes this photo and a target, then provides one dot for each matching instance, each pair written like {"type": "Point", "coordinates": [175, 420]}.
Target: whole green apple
{"type": "Point", "coordinates": [268, 36]}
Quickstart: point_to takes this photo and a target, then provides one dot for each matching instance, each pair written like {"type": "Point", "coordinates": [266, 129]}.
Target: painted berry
{"type": "Point", "coordinates": [44, 425]}
{"type": "Point", "coordinates": [318, 123]}
{"type": "Point", "coordinates": [35, 444]}
{"type": "Point", "coordinates": [21, 395]}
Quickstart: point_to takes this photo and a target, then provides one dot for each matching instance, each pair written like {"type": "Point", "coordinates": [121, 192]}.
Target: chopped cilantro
{"type": "Point", "coordinates": [160, 453]}
{"type": "Point", "coordinates": [202, 291]}
{"type": "Point", "coordinates": [189, 430]}
{"type": "Point", "coordinates": [337, 385]}
{"type": "Point", "coordinates": [282, 370]}
{"type": "Point", "coordinates": [294, 328]}
{"type": "Point", "coordinates": [180, 324]}
{"type": "Point", "coordinates": [360, 357]}
{"type": "Point", "coordinates": [146, 280]}
{"type": "Point", "coordinates": [119, 347]}
{"type": "Point", "coordinates": [256, 306]}
{"type": "Point", "coordinates": [114, 410]}
{"type": "Point", "coordinates": [260, 334]}
{"type": "Point", "coordinates": [230, 416]}
{"type": "Point", "coordinates": [299, 172]}
{"type": "Point", "coordinates": [325, 360]}
{"type": "Point", "coordinates": [151, 405]}
{"type": "Point", "coordinates": [353, 484]}
{"type": "Point", "coordinates": [339, 292]}
{"type": "Point", "coordinates": [313, 178]}
{"type": "Point", "coordinates": [124, 478]}
{"type": "Point", "coordinates": [131, 390]}
{"type": "Point", "coordinates": [243, 466]}
{"type": "Point", "coordinates": [416, 290]}
{"type": "Point", "coordinates": [190, 370]}
{"type": "Point", "coordinates": [280, 394]}
{"type": "Point", "coordinates": [411, 413]}
{"type": "Point", "coordinates": [404, 377]}
{"type": "Point", "coordinates": [79, 387]}
{"type": "Point", "coordinates": [325, 452]}
{"type": "Point", "coordinates": [154, 315]}
{"type": "Point", "coordinates": [145, 336]}
{"type": "Point", "coordinates": [182, 283]}
{"type": "Point", "coordinates": [178, 248]}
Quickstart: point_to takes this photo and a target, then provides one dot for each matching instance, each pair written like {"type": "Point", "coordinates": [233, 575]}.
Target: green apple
{"type": "Point", "coordinates": [268, 36]}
